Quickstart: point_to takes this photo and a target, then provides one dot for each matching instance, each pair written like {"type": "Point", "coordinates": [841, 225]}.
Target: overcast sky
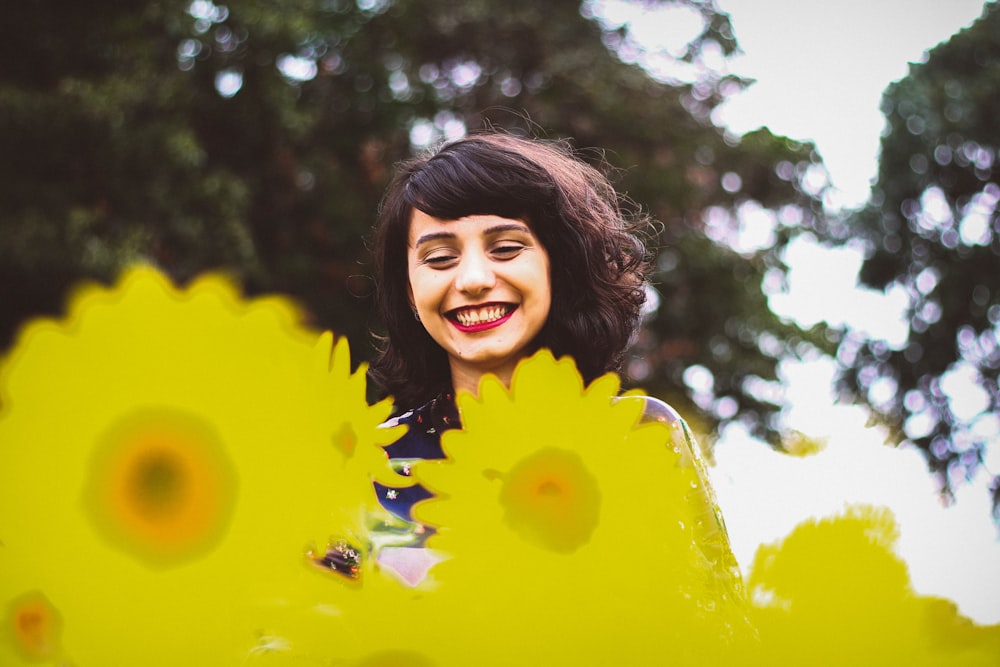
{"type": "Point", "coordinates": [821, 68]}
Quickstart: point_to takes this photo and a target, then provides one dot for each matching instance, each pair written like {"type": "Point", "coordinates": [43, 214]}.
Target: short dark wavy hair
{"type": "Point", "coordinates": [597, 256]}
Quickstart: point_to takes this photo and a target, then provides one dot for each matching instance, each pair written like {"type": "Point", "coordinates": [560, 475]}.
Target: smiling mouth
{"type": "Point", "coordinates": [481, 315]}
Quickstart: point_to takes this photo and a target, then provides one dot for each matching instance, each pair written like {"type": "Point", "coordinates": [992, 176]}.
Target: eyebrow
{"type": "Point", "coordinates": [495, 229]}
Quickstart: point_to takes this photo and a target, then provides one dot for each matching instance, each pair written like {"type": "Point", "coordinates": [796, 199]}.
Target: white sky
{"type": "Point", "coordinates": [821, 68]}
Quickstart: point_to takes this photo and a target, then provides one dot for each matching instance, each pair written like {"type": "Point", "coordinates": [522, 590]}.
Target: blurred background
{"type": "Point", "coordinates": [255, 138]}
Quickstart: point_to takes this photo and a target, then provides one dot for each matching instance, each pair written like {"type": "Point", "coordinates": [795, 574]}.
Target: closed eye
{"type": "Point", "coordinates": [439, 261]}
{"type": "Point", "coordinates": [510, 251]}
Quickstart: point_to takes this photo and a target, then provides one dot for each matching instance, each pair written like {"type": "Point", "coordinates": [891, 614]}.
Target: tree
{"type": "Point", "coordinates": [932, 229]}
{"type": "Point", "coordinates": [256, 137]}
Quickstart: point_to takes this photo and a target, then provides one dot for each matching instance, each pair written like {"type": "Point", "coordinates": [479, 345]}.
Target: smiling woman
{"type": "Point", "coordinates": [489, 251]}
{"type": "Point", "coordinates": [494, 226]}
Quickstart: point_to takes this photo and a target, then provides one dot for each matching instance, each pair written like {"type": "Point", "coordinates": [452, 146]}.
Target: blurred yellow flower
{"type": "Point", "coordinates": [186, 477]}
{"type": "Point", "coordinates": [177, 467]}
{"type": "Point", "coordinates": [834, 592]}
{"type": "Point", "coordinates": [575, 532]}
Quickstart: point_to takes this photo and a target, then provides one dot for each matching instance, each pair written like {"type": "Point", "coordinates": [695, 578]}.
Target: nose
{"type": "Point", "coordinates": [475, 275]}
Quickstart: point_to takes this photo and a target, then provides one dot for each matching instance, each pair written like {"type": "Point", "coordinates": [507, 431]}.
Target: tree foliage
{"type": "Point", "coordinates": [932, 230]}
{"type": "Point", "coordinates": [257, 137]}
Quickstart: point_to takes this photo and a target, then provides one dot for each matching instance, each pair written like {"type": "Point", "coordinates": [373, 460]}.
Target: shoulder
{"type": "Point", "coordinates": [655, 410]}
{"type": "Point", "coordinates": [681, 437]}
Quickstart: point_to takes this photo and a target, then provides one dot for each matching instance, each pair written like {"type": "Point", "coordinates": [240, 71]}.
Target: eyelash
{"type": "Point", "coordinates": [509, 251]}
{"type": "Point", "coordinates": [503, 253]}
{"type": "Point", "coordinates": [438, 260]}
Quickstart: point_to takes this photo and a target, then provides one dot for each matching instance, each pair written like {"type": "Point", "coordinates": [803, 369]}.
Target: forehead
{"type": "Point", "coordinates": [424, 227]}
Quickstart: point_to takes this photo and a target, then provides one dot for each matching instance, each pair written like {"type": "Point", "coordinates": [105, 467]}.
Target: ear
{"type": "Point", "coordinates": [409, 295]}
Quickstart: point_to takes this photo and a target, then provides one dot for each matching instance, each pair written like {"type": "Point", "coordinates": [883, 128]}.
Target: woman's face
{"type": "Point", "coordinates": [480, 286]}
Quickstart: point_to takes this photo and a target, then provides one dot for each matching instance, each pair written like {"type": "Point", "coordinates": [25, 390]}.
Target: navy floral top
{"type": "Point", "coordinates": [421, 441]}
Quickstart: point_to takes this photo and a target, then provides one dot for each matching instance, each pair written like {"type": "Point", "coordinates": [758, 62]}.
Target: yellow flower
{"type": "Point", "coordinates": [177, 468]}
{"type": "Point", "coordinates": [185, 477]}
{"type": "Point", "coordinates": [834, 592]}
{"type": "Point", "coordinates": [575, 533]}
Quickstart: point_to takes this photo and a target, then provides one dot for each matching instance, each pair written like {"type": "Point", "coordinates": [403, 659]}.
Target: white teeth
{"type": "Point", "coordinates": [476, 316]}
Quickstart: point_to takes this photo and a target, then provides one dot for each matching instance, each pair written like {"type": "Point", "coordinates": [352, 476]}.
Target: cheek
{"type": "Point", "coordinates": [547, 308]}
{"type": "Point", "coordinates": [424, 290]}
{"type": "Point", "coordinates": [545, 283]}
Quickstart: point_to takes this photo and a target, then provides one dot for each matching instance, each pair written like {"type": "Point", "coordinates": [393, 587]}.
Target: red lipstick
{"type": "Point", "coordinates": [480, 326]}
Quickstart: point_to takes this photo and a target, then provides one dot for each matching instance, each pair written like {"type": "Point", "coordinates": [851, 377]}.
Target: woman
{"type": "Point", "coordinates": [488, 250]}
{"type": "Point", "coordinates": [575, 223]}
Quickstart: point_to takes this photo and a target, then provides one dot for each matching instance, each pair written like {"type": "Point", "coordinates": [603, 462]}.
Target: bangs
{"type": "Point", "coordinates": [476, 179]}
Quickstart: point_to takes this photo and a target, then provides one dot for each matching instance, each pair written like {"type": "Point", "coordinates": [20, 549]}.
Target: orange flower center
{"type": "Point", "coordinates": [36, 626]}
{"type": "Point", "coordinates": [161, 486]}
{"type": "Point", "coordinates": [552, 500]}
